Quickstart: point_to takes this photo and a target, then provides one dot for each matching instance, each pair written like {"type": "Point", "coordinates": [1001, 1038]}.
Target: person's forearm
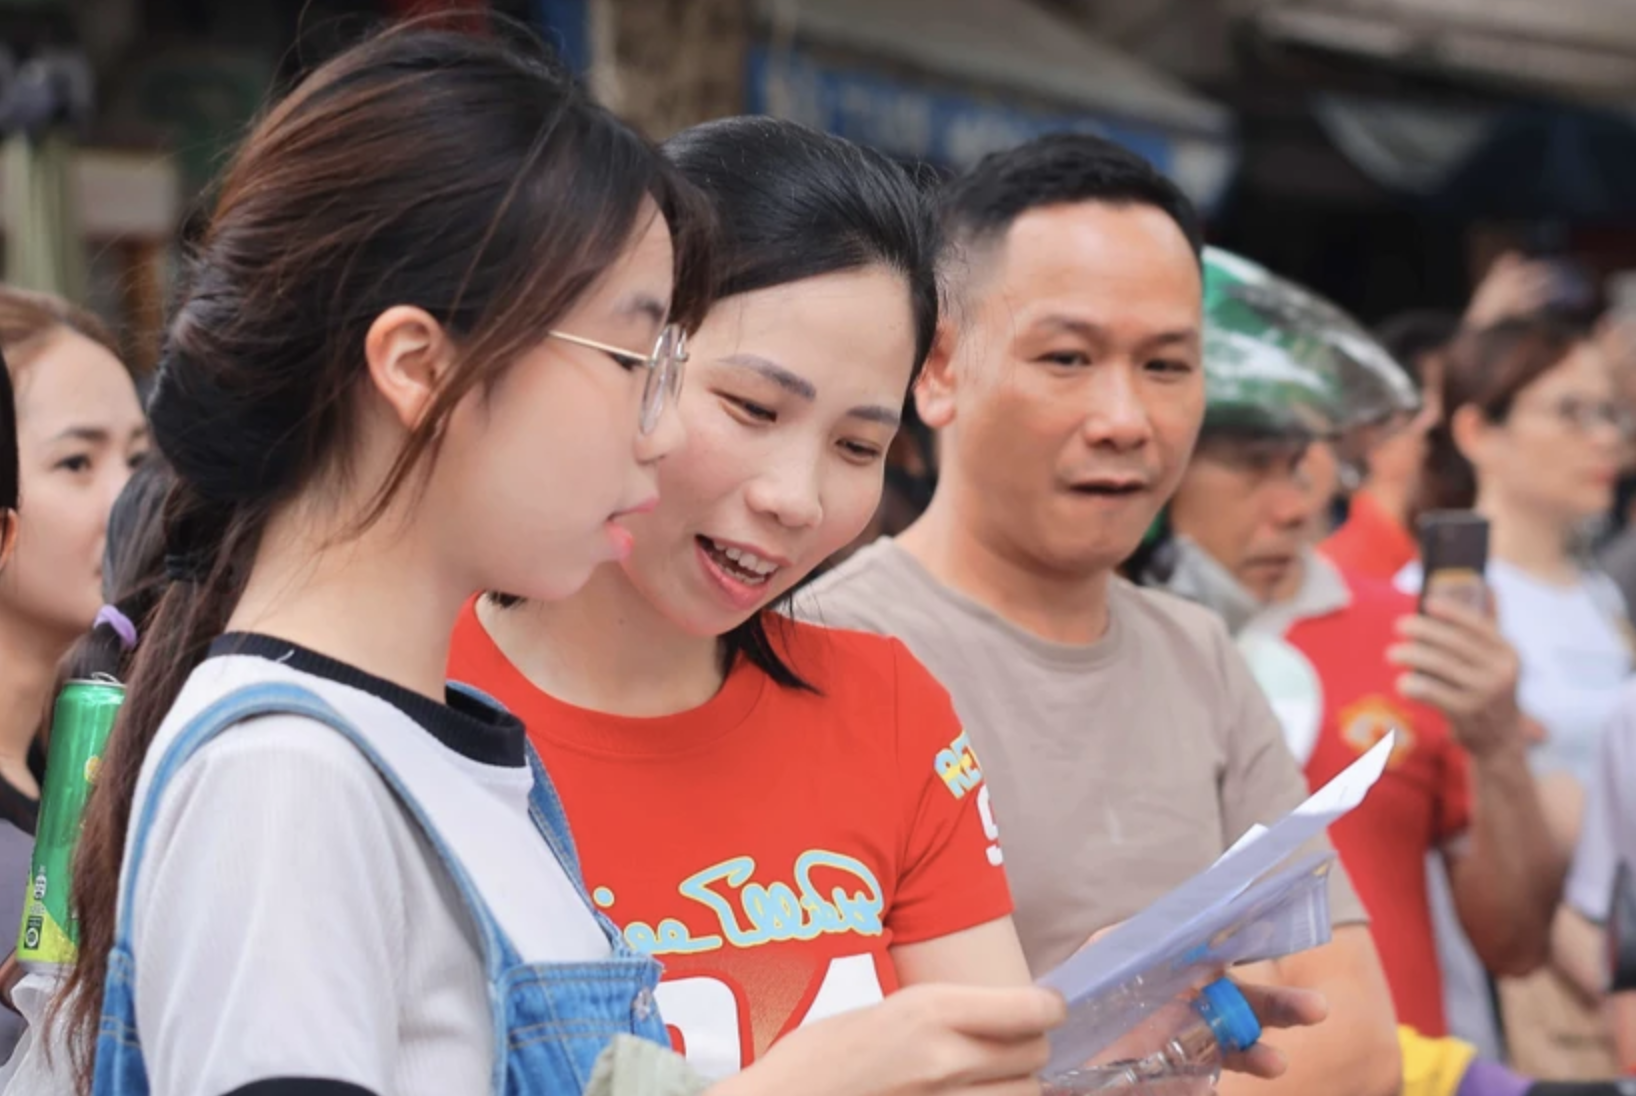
{"type": "Point", "coordinates": [1355, 1051]}
{"type": "Point", "coordinates": [1508, 881]}
{"type": "Point", "coordinates": [1621, 1013]}
{"type": "Point", "coordinates": [1579, 952]}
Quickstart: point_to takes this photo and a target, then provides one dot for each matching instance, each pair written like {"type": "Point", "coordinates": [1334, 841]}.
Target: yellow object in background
{"type": "Point", "coordinates": [1432, 1067]}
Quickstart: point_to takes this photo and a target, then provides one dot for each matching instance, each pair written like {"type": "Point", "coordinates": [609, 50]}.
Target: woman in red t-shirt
{"type": "Point", "coordinates": [790, 817]}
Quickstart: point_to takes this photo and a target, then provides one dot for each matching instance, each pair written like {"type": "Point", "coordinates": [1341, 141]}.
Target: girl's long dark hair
{"type": "Point", "coordinates": [462, 175]}
{"type": "Point", "coordinates": [133, 574]}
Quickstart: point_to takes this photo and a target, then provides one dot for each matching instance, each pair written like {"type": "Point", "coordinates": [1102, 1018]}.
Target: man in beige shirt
{"type": "Point", "coordinates": [1124, 741]}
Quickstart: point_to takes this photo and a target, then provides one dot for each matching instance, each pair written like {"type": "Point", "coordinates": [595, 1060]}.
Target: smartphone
{"type": "Point", "coordinates": [1621, 292]}
{"type": "Point", "coordinates": [1453, 556]}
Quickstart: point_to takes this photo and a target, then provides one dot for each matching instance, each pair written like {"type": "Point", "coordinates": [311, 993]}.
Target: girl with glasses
{"type": "Point", "coordinates": [1531, 437]}
{"type": "Point", "coordinates": [789, 818]}
{"type": "Point", "coordinates": [308, 867]}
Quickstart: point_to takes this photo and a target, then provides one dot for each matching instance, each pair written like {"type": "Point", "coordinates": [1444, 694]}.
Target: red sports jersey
{"type": "Point", "coordinates": [773, 845]}
{"type": "Point", "coordinates": [1421, 802]}
{"type": "Point", "coordinates": [1371, 542]}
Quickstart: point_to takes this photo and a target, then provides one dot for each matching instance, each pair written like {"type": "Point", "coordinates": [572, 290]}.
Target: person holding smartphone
{"type": "Point", "coordinates": [1531, 440]}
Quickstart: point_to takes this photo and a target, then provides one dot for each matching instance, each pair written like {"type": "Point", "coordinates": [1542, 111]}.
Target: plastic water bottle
{"type": "Point", "coordinates": [1218, 1022]}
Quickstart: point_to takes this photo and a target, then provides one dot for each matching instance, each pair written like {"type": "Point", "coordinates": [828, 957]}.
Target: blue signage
{"type": "Point", "coordinates": [566, 24]}
{"type": "Point", "coordinates": [916, 123]}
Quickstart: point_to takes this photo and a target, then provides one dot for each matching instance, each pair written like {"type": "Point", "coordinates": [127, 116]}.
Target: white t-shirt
{"type": "Point", "coordinates": [1609, 832]}
{"type": "Point", "coordinates": [292, 922]}
{"type": "Point", "coordinates": [1575, 658]}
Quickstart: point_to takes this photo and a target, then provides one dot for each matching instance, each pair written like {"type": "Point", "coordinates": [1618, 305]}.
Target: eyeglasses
{"type": "Point", "coordinates": [1583, 416]}
{"type": "Point", "coordinates": [665, 367]}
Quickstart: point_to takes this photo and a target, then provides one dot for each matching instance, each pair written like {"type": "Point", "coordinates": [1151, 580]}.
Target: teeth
{"type": "Point", "coordinates": [747, 561]}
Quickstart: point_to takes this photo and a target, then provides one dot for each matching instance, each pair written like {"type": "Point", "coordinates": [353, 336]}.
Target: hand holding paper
{"type": "Point", "coordinates": [1259, 901]}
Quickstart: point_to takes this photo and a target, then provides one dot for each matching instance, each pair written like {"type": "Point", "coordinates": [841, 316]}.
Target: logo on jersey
{"type": "Point", "coordinates": [957, 765]}
{"type": "Point", "coordinates": [1371, 719]}
{"type": "Point", "coordinates": [831, 893]}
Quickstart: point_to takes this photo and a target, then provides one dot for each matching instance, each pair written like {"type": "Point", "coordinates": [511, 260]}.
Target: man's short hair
{"type": "Point", "coordinates": [1058, 169]}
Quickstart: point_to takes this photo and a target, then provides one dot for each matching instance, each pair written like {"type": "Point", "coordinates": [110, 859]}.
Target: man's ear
{"type": "Point", "coordinates": [935, 387]}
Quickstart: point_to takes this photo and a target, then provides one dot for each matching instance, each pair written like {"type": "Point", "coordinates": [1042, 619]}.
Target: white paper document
{"type": "Point", "coordinates": [1259, 901]}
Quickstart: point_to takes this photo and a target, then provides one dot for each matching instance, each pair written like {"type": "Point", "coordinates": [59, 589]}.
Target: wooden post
{"type": "Point", "coordinates": [665, 65]}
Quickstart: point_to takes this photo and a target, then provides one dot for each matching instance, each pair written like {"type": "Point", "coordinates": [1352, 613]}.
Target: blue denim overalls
{"type": "Point", "coordinates": [551, 1020]}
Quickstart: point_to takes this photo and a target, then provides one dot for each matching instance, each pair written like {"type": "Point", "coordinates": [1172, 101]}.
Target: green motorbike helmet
{"type": "Point", "coordinates": [1280, 359]}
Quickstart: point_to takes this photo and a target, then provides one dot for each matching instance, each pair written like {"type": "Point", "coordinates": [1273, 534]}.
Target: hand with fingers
{"type": "Point", "coordinates": [1513, 287]}
{"type": "Point", "coordinates": [925, 1040]}
{"type": "Point", "coordinates": [1276, 1007]}
{"type": "Point", "coordinates": [1456, 660]}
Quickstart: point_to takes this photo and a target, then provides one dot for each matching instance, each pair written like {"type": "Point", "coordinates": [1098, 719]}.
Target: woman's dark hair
{"type": "Point", "coordinates": [792, 204]}
{"type": "Point", "coordinates": [458, 174]}
{"type": "Point", "coordinates": [29, 319]}
{"type": "Point", "coordinates": [1487, 369]}
{"type": "Point", "coordinates": [8, 444]}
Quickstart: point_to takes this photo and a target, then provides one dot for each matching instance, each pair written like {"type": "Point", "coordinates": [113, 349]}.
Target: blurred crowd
{"type": "Point", "coordinates": [1003, 557]}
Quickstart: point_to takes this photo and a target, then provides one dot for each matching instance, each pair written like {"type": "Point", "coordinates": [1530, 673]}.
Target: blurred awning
{"type": "Point", "coordinates": [1530, 162]}
{"type": "Point", "coordinates": [1584, 49]}
{"type": "Point", "coordinates": [951, 80]}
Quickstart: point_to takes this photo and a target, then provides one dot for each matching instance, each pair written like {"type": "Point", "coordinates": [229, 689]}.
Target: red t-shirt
{"type": "Point", "coordinates": [1421, 803]}
{"type": "Point", "coordinates": [1370, 542]}
{"type": "Point", "coordinates": [773, 845]}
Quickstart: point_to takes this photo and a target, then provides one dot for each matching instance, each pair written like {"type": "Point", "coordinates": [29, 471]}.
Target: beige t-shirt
{"type": "Point", "coordinates": [1116, 770]}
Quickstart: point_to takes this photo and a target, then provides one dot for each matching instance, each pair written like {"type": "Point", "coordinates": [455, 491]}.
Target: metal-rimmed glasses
{"type": "Point", "coordinates": [665, 367]}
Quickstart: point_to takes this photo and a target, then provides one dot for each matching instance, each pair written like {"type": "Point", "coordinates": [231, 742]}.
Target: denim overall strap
{"type": "Point", "coordinates": [546, 809]}
{"type": "Point", "coordinates": [551, 820]}
{"type": "Point", "coordinates": [282, 698]}
{"type": "Point", "coordinates": [551, 1020]}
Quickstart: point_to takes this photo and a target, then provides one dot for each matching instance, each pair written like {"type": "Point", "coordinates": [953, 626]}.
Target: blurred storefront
{"type": "Point", "coordinates": [939, 82]}
{"type": "Point", "coordinates": [948, 81]}
{"type": "Point", "coordinates": [1377, 149]}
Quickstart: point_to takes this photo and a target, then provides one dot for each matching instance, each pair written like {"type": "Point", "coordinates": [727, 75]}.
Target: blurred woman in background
{"type": "Point", "coordinates": [80, 431]}
{"type": "Point", "coordinates": [1531, 438]}
{"type": "Point", "coordinates": [133, 578]}
{"type": "Point", "coordinates": [14, 843]}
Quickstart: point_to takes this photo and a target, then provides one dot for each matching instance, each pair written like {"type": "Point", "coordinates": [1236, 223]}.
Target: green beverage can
{"type": "Point", "coordinates": [48, 939]}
